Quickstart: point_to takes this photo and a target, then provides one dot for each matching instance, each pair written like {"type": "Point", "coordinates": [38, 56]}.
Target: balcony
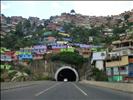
{"type": "Point", "coordinates": [122, 48]}
{"type": "Point", "coordinates": [117, 62]}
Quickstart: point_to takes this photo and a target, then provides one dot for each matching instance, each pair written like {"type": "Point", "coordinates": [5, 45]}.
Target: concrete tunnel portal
{"type": "Point", "coordinates": [68, 73]}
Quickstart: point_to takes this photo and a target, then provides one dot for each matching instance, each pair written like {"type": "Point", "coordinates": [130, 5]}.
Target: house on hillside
{"type": "Point", "coordinates": [25, 53]}
{"type": "Point", "coordinates": [108, 32]}
{"type": "Point", "coordinates": [53, 26]}
{"type": "Point", "coordinates": [68, 49]}
{"type": "Point", "coordinates": [39, 51]}
{"type": "Point", "coordinates": [57, 48]}
{"type": "Point", "coordinates": [83, 49]}
{"type": "Point", "coordinates": [8, 55]}
{"type": "Point", "coordinates": [64, 34]}
{"type": "Point", "coordinates": [62, 42]}
{"type": "Point", "coordinates": [48, 40]}
{"type": "Point", "coordinates": [98, 60]}
{"type": "Point", "coordinates": [119, 62]}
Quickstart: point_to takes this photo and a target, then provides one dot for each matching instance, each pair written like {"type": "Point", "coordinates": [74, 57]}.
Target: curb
{"type": "Point", "coordinates": [14, 87]}
{"type": "Point", "coordinates": [115, 86]}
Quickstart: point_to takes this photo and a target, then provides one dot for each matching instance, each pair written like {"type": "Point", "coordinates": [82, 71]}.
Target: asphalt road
{"type": "Point", "coordinates": [64, 91]}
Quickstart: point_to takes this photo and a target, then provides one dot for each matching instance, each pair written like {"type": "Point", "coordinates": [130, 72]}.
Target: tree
{"type": "Point", "coordinates": [118, 30]}
{"type": "Point", "coordinates": [98, 75]}
{"type": "Point", "coordinates": [19, 29]}
{"type": "Point", "coordinates": [27, 24]}
{"type": "Point", "coordinates": [72, 11]}
{"type": "Point", "coordinates": [68, 27]}
{"type": "Point", "coordinates": [126, 16]}
{"type": "Point", "coordinates": [9, 40]}
{"type": "Point", "coordinates": [69, 58]}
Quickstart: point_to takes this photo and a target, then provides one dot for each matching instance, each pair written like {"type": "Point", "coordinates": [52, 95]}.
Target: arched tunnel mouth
{"type": "Point", "coordinates": [68, 74]}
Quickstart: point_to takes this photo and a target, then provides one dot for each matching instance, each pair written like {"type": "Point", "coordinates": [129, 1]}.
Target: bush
{"type": "Point", "coordinates": [27, 70]}
{"type": "Point", "coordinates": [99, 75]}
{"type": "Point", "coordinates": [69, 58]}
{"type": "Point", "coordinates": [1, 79]}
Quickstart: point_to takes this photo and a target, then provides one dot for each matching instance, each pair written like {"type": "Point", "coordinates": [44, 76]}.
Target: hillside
{"type": "Point", "coordinates": [19, 31]}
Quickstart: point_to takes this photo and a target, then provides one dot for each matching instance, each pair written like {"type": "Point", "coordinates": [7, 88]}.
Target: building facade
{"type": "Point", "coordinates": [119, 62]}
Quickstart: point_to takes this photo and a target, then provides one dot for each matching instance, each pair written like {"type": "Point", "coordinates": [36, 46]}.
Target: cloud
{"type": "Point", "coordinates": [102, 8]}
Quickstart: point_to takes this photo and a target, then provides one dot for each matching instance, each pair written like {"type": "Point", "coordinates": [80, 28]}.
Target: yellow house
{"type": "Point", "coordinates": [64, 34]}
{"type": "Point", "coordinates": [121, 61]}
{"type": "Point", "coordinates": [62, 42]}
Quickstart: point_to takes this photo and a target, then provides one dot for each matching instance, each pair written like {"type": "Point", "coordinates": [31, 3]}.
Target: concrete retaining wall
{"type": "Point", "coordinates": [127, 87]}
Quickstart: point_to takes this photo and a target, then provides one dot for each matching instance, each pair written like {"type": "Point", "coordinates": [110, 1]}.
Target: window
{"type": "Point", "coordinates": [131, 56]}
{"type": "Point", "coordinates": [20, 55]}
{"type": "Point", "coordinates": [125, 52]}
{"type": "Point", "coordinates": [131, 51]}
{"type": "Point", "coordinates": [102, 54]}
{"type": "Point", "coordinates": [122, 68]}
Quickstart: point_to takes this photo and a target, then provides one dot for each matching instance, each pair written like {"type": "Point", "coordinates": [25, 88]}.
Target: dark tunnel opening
{"type": "Point", "coordinates": [66, 74]}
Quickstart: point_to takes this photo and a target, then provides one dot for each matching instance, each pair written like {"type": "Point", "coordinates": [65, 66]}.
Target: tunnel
{"type": "Point", "coordinates": [66, 72]}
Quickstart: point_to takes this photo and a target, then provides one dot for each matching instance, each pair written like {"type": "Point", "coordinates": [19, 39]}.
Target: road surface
{"type": "Point", "coordinates": [63, 91]}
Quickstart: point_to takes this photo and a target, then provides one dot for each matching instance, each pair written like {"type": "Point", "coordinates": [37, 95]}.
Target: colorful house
{"type": "Point", "coordinates": [69, 49]}
{"type": "Point", "coordinates": [37, 56]}
{"type": "Point", "coordinates": [119, 68]}
{"type": "Point", "coordinates": [64, 34]}
{"type": "Point", "coordinates": [39, 51]}
{"type": "Point", "coordinates": [47, 33]}
{"type": "Point", "coordinates": [48, 40]}
{"type": "Point", "coordinates": [98, 60]}
{"type": "Point", "coordinates": [57, 48]}
{"type": "Point", "coordinates": [119, 62]}
{"type": "Point", "coordinates": [62, 42]}
{"type": "Point", "coordinates": [7, 55]}
{"type": "Point", "coordinates": [25, 53]}
{"type": "Point", "coordinates": [12, 54]}
{"type": "Point", "coordinates": [67, 39]}
{"type": "Point", "coordinates": [5, 58]}
{"type": "Point", "coordinates": [85, 52]}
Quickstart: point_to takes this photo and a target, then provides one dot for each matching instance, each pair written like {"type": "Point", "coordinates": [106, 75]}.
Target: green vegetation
{"type": "Point", "coordinates": [28, 35]}
{"type": "Point", "coordinates": [99, 75]}
{"type": "Point", "coordinates": [24, 35]}
{"type": "Point", "coordinates": [69, 58]}
{"type": "Point", "coordinates": [126, 16]}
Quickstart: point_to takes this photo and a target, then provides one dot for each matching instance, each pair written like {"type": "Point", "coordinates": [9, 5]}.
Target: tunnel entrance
{"type": "Point", "coordinates": [66, 73]}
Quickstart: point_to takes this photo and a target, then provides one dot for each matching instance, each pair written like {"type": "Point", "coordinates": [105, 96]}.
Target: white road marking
{"type": "Point", "coordinates": [47, 89]}
{"type": "Point", "coordinates": [80, 89]}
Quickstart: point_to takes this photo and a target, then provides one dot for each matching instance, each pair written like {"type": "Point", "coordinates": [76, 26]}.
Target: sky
{"type": "Point", "coordinates": [45, 9]}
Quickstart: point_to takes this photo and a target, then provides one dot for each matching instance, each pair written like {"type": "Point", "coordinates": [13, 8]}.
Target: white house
{"type": "Point", "coordinates": [98, 59]}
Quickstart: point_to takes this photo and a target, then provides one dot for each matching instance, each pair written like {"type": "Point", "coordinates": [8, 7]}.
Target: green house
{"type": "Point", "coordinates": [47, 33]}
{"type": "Point", "coordinates": [67, 49]}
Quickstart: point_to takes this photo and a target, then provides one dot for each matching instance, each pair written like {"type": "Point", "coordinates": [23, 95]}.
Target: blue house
{"type": "Point", "coordinates": [25, 54]}
{"type": "Point", "coordinates": [25, 57]}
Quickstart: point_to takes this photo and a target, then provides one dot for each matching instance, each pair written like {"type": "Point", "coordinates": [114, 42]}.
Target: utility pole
{"type": "Point", "coordinates": [119, 60]}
